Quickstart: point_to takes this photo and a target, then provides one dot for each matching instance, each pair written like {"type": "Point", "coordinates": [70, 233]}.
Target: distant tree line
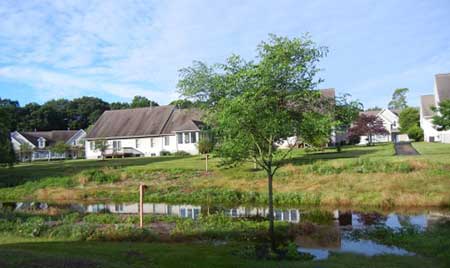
{"type": "Point", "coordinates": [61, 114]}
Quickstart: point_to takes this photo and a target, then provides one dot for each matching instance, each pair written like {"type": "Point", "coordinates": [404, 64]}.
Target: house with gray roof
{"type": "Point", "coordinates": [148, 131]}
{"type": "Point", "coordinates": [390, 119]}
{"type": "Point", "coordinates": [37, 145]}
{"type": "Point", "coordinates": [441, 93]}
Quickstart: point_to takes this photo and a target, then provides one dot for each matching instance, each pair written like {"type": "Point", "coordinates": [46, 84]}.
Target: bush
{"type": "Point", "coordinates": [165, 153]}
{"type": "Point", "coordinates": [33, 226]}
{"type": "Point", "coordinates": [415, 133]}
{"type": "Point", "coordinates": [122, 232]}
{"type": "Point", "coordinates": [181, 153]}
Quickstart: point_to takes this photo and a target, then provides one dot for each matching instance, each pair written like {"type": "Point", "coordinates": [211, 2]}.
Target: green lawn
{"type": "Point", "coordinates": [358, 176]}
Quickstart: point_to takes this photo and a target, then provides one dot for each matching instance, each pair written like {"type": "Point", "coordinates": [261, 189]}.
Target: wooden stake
{"type": "Point", "coordinates": [206, 158]}
{"type": "Point", "coordinates": [141, 205]}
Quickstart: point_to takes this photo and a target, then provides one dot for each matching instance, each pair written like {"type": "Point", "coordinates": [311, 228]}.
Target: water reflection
{"type": "Point", "coordinates": [342, 218]}
{"type": "Point", "coordinates": [329, 234]}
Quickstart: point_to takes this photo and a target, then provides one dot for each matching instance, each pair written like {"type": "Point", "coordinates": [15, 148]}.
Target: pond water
{"type": "Point", "coordinates": [333, 235]}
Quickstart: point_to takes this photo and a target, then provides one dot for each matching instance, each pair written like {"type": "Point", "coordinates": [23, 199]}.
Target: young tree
{"type": "Point", "coordinates": [409, 120]}
{"type": "Point", "coordinates": [253, 105]}
{"type": "Point", "coordinates": [398, 101]}
{"type": "Point", "coordinates": [102, 146]}
{"type": "Point", "coordinates": [442, 117]}
{"type": "Point", "coordinates": [205, 147]}
{"type": "Point", "coordinates": [368, 125]}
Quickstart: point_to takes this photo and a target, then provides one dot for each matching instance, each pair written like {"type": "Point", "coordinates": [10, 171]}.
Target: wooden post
{"type": "Point", "coordinates": [206, 161]}
{"type": "Point", "coordinates": [141, 205]}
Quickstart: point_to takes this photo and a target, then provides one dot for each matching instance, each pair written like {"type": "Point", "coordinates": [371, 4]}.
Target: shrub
{"type": "Point", "coordinates": [415, 133]}
{"type": "Point", "coordinates": [165, 153]}
{"type": "Point", "coordinates": [181, 153]}
{"type": "Point", "coordinates": [33, 226]}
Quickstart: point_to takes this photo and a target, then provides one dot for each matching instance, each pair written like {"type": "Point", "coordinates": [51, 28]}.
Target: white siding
{"type": "Point", "coordinates": [145, 146]}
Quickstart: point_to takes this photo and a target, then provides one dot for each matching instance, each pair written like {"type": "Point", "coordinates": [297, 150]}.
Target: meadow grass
{"type": "Point", "coordinates": [357, 176]}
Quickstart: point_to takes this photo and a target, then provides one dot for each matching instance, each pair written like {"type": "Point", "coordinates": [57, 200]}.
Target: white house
{"type": "Point", "coordinates": [441, 92]}
{"type": "Point", "coordinates": [145, 132]}
{"type": "Point", "coordinates": [390, 122]}
{"type": "Point", "coordinates": [40, 142]}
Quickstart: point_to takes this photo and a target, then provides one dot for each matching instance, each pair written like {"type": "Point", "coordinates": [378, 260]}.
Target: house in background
{"type": "Point", "coordinates": [390, 122]}
{"type": "Point", "coordinates": [441, 93]}
{"type": "Point", "coordinates": [328, 104]}
{"type": "Point", "coordinates": [145, 132]}
{"type": "Point", "coordinates": [39, 144]}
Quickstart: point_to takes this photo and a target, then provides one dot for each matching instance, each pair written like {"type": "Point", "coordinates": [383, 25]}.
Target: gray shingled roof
{"type": "Point", "coordinates": [426, 102]}
{"type": "Point", "coordinates": [443, 86]}
{"type": "Point", "coordinates": [371, 113]}
{"type": "Point", "coordinates": [141, 122]}
{"type": "Point", "coordinates": [51, 137]}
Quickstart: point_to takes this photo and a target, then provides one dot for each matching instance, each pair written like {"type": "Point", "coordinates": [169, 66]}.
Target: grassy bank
{"type": "Point", "coordinates": [107, 240]}
{"type": "Point", "coordinates": [358, 176]}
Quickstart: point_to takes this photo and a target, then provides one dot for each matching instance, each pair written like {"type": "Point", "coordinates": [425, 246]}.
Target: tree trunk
{"type": "Point", "coordinates": [271, 216]}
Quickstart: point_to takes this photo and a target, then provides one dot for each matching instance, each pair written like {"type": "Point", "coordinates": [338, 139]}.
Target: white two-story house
{"type": "Point", "coordinates": [146, 131]}
{"type": "Point", "coordinates": [441, 92]}
{"type": "Point", "coordinates": [390, 122]}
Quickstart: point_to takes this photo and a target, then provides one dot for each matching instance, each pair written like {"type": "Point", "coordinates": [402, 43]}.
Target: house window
{"type": "Point", "coordinates": [193, 137]}
{"type": "Point", "coordinates": [119, 207]}
{"type": "Point", "coordinates": [166, 140]}
{"type": "Point", "coordinates": [92, 145]}
{"type": "Point", "coordinates": [41, 142]}
{"type": "Point", "coordinates": [152, 142]}
{"type": "Point", "coordinates": [180, 138]}
{"type": "Point", "coordinates": [117, 145]}
{"type": "Point", "coordinates": [137, 143]}
{"type": "Point", "coordinates": [183, 212]}
{"type": "Point", "coordinates": [186, 137]}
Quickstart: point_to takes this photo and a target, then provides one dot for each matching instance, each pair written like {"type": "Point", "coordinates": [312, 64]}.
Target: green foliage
{"type": "Point", "coordinates": [165, 153]}
{"type": "Point", "coordinates": [140, 101]}
{"type": "Point", "coordinates": [7, 156]}
{"type": "Point", "coordinates": [398, 101]}
{"type": "Point", "coordinates": [100, 176]}
{"type": "Point", "coordinates": [415, 133]}
{"type": "Point", "coordinates": [442, 119]}
{"type": "Point", "coordinates": [346, 111]}
{"type": "Point", "coordinates": [60, 148]}
{"type": "Point", "coordinates": [408, 118]}
{"type": "Point", "coordinates": [316, 129]}
{"type": "Point", "coordinates": [32, 226]}
{"type": "Point", "coordinates": [181, 153]}
{"type": "Point", "coordinates": [205, 146]}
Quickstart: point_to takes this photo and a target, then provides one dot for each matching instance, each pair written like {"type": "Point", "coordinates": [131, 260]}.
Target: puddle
{"type": "Point", "coordinates": [363, 247]}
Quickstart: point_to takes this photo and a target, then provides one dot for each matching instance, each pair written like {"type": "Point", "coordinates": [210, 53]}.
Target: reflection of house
{"type": "Point", "coordinates": [390, 122]}
{"type": "Point", "coordinates": [145, 131]}
{"type": "Point", "coordinates": [30, 146]}
{"type": "Point", "coordinates": [441, 92]}
{"type": "Point", "coordinates": [184, 211]}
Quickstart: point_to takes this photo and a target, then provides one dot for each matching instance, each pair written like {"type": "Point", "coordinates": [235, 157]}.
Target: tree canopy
{"type": "Point", "coordinates": [409, 120]}
{"type": "Point", "coordinates": [398, 101]}
{"type": "Point", "coordinates": [60, 114]}
{"type": "Point", "coordinates": [140, 101]}
{"type": "Point", "coordinates": [442, 117]}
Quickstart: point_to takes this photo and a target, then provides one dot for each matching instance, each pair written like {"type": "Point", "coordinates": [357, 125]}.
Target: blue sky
{"type": "Point", "coordinates": [118, 49]}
